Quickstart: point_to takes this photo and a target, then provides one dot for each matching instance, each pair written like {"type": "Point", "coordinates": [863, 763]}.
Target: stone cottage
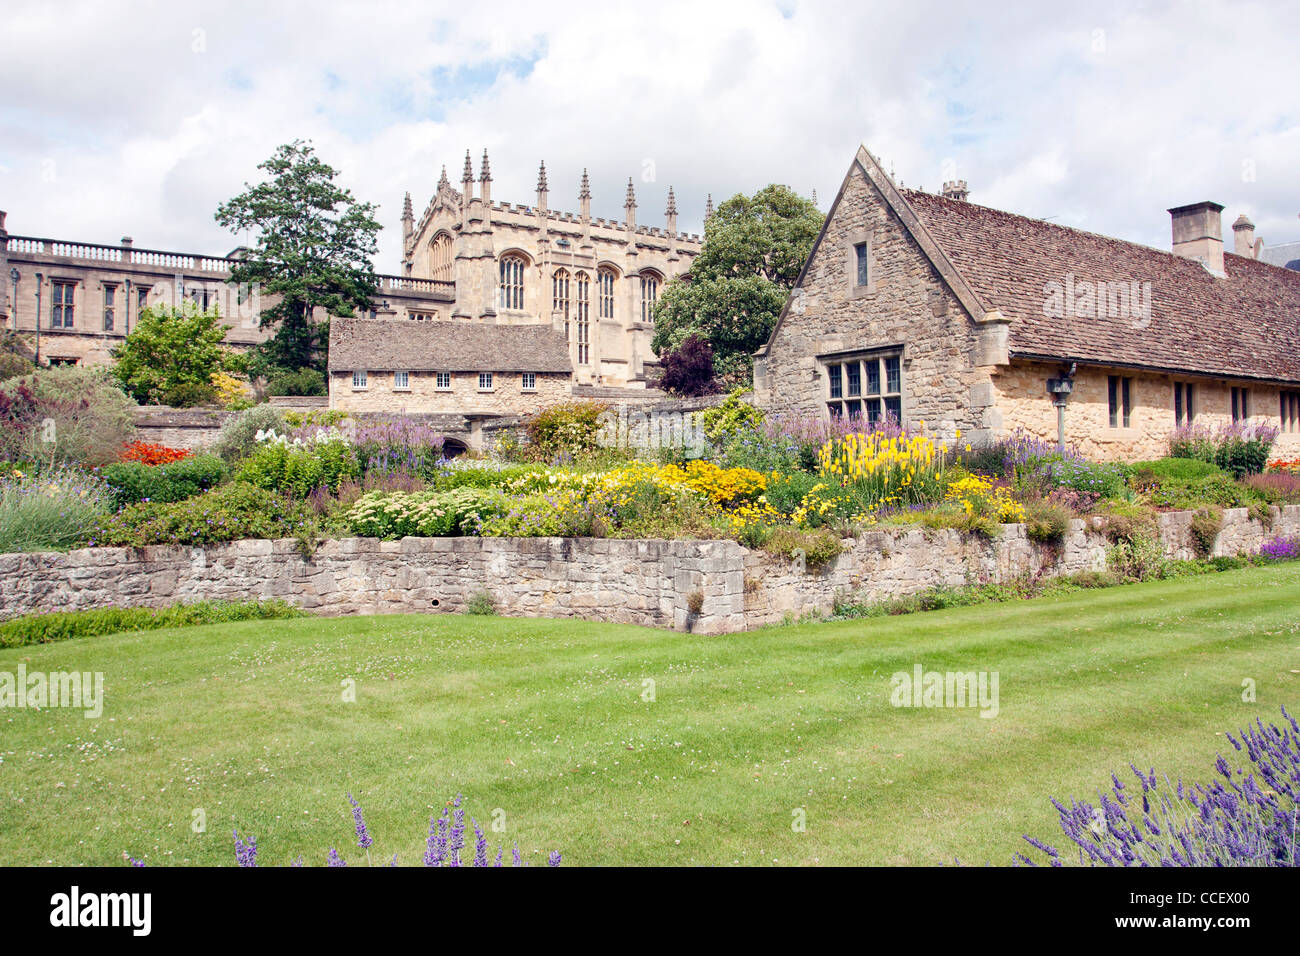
{"type": "Point", "coordinates": [933, 309]}
{"type": "Point", "coordinates": [443, 366]}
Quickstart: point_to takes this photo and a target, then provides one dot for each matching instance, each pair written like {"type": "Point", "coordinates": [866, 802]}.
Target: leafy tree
{"type": "Point", "coordinates": [754, 248]}
{"type": "Point", "coordinates": [172, 350]}
{"type": "Point", "coordinates": [314, 248]}
{"type": "Point", "coordinates": [688, 368]}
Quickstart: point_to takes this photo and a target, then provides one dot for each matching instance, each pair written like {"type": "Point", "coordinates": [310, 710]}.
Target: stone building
{"type": "Point", "coordinates": [934, 309]}
{"type": "Point", "coordinates": [440, 366]}
{"type": "Point", "coordinates": [74, 301]}
{"type": "Point", "coordinates": [593, 280]}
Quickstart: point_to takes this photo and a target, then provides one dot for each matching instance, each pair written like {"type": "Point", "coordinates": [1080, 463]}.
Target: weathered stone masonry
{"type": "Point", "coordinates": [603, 579]}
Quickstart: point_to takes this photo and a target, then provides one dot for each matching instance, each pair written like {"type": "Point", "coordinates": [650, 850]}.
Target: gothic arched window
{"type": "Point", "coordinates": [584, 317]}
{"type": "Point", "coordinates": [440, 258]}
{"type": "Point", "coordinates": [560, 297]}
{"type": "Point", "coordinates": [512, 282]}
{"type": "Point", "coordinates": [605, 292]}
{"type": "Point", "coordinates": [649, 295]}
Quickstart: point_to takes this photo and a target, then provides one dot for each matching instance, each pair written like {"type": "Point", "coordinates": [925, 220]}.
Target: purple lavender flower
{"type": "Point", "coordinates": [335, 859]}
{"type": "Point", "coordinates": [245, 853]}
{"type": "Point", "coordinates": [363, 835]}
{"type": "Point", "coordinates": [1239, 820]}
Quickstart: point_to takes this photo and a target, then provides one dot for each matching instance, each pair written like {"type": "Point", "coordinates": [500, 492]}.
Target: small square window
{"type": "Point", "coordinates": [530, 381]}
{"type": "Point", "coordinates": [402, 380]}
{"type": "Point", "coordinates": [442, 381]}
{"type": "Point", "coordinates": [485, 381]}
{"type": "Point", "coordinates": [359, 378]}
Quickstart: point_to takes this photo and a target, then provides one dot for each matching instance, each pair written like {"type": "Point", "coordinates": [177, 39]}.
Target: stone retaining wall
{"type": "Point", "coordinates": [635, 582]}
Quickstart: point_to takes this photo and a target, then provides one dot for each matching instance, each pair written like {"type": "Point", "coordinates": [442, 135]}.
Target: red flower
{"type": "Point", "coordinates": [152, 453]}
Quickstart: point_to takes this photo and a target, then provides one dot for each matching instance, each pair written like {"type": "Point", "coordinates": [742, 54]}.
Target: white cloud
{"type": "Point", "coordinates": [122, 119]}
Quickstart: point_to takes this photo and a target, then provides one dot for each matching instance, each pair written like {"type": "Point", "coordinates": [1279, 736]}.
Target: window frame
{"type": "Point", "coordinates": [650, 282]}
{"type": "Point", "coordinates": [360, 380]}
{"type": "Point", "coordinates": [582, 317]}
{"type": "Point", "coordinates": [485, 382]}
{"type": "Point", "coordinates": [858, 243]}
{"type": "Point", "coordinates": [528, 381]}
{"type": "Point", "coordinates": [510, 282]}
{"type": "Point", "coordinates": [1119, 401]}
{"type": "Point", "coordinates": [606, 297]}
{"type": "Point", "coordinates": [110, 305]}
{"type": "Point", "coordinates": [1184, 404]}
{"type": "Point", "coordinates": [880, 384]}
{"type": "Point", "coordinates": [64, 307]}
{"type": "Point", "coordinates": [1289, 407]}
{"type": "Point", "coordinates": [438, 378]}
{"type": "Point", "coordinates": [561, 281]}
{"type": "Point", "coordinates": [1240, 403]}
{"type": "Point", "coordinates": [401, 380]}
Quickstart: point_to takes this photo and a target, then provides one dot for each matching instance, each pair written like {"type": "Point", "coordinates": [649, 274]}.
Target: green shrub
{"type": "Point", "coordinates": [1047, 522]}
{"type": "Point", "coordinates": [66, 414]}
{"type": "Point", "coordinates": [49, 511]}
{"type": "Point", "coordinates": [227, 513]}
{"type": "Point", "coordinates": [1242, 455]}
{"type": "Point", "coordinates": [305, 381]}
{"type": "Point", "coordinates": [1180, 469]}
{"type": "Point", "coordinates": [188, 395]}
{"type": "Point", "coordinates": [133, 481]}
{"type": "Point", "coordinates": [1217, 488]}
{"type": "Point", "coordinates": [1105, 479]}
{"type": "Point", "coordinates": [482, 477]}
{"type": "Point", "coordinates": [567, 430]}
{"type": "Point", "coordinates": [787, 492]}
{"type": "Point", "coordinates": [732, 416]}
{"type": "Point", "coordinates": [1205, 526]}
{"type": "Point", "coordinates": [819, 545]}
{"type": "Point", "coordinates": [1130, 522]}
{"type": "Point", "coordinates": [391, 515]}
{"type": "Point", "coordinates": [238, 436]}
{"type": "Point", "coordinates": [14, 366]}
{"type": "Point", "coordinates": [65, 625]}
{"type": "Point", "coordinates": [1137, 558]}
{"type": "Point", "coordinates": [299, 470]}
{"type": "Point", "coordinates": [481, 603]}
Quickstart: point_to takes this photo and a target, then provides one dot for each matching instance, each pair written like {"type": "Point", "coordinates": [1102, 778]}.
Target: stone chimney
{"type": "Point", "coordinates": [1198, 234]}
{"type": "Point", "coordinates": [3, 230]}
{"type": "Point", "coordinates": [955, 189]}
{"type": "Point", "coordinates": [1243, 238]}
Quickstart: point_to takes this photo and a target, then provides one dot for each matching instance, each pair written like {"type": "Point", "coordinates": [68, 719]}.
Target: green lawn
{"type": "Point", "coordinates": [545, 720]}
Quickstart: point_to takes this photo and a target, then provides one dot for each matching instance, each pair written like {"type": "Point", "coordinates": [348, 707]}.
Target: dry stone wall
{"type": "Point", "coordinates": [650, 582]}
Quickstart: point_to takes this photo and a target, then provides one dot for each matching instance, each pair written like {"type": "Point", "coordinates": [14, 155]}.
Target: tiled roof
{"type": "Point", "coordinates": [1244, 324]}
{"type": "Point", "coordinates": [442, 346]}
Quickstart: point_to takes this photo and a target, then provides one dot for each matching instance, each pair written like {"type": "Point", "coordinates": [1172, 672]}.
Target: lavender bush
{"type": "Point", "coordinates": [444, 846]}
{"type": "Point", "coordinates": [1281, 549]}
{"type": "Point", "coordinates": [402, 445]}
{"type": "Point", "coordinates": [1239, 820]}
{"type": "Point", "coordinates": [51, 510]}
{"type": "Point", "coordinates": [1241, 448]}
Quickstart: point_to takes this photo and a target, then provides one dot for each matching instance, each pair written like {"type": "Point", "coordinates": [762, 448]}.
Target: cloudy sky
{"type": "Point", "coordinates": [139, 118]}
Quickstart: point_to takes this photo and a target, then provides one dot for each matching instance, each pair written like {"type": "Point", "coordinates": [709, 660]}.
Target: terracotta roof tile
{"type": "Point", "coordinates": [1246, 324]}
{"type": "Point", "coordinates": [442, 346]}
